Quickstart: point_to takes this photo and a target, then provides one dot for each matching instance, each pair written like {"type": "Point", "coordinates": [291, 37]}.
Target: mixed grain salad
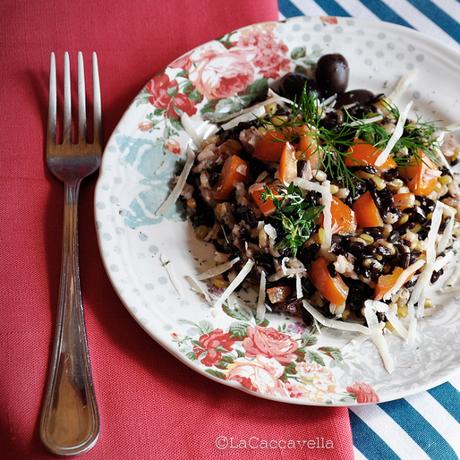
{"type": "Point", "coordinates": [337, 206]}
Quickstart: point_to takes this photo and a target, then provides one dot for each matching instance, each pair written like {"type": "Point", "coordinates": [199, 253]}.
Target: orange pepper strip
{"type": "Point", "coordinates": [271, 146]}
{"type": "Point", "coordinates": [404, 200]}
{"type": "Point", "coordinates": [421, 175]}
{"type": "Point", "coordinates": [366, 212]}
{"type": "Point", "coordinates": [363, 154]}
{"type": "Point", "coordinates": [332, 288]}
{"type": "Point", "coordinates": [386, 282]}
{"type": "Point", "coordinates": [235, 170]}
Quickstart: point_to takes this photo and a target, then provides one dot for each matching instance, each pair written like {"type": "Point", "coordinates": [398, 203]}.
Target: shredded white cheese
{"type": "Point", "coordinates": [447, 234]}
{"type": "Point", "coordinates": [167, 265]}
{"type": "Point", "coordinates": [326, 201]}
{"type": "Point", "coordinates": [339, 325]}
{"type": "Point", "coordinates": [298, 286]}
{"type": "Point", "coordinates": [197, 287]}
{"type": "Point", "coordinates": [272, 234]}
{"type": "Point", "coordinates": [397, 324]}
{"type": "Point", "coordinates": [403, 278]}
{"type": "Point", "coordinates": [244, 117]}
{"type": "Point", "coordinates": [330, 101]}
{"type": "Point", "coordinates": [397, 133]}
{"type": "Point", "coordinates": [370, 309]}
{"type": "Point", "coordinates": [197, 129]}
{"type": "Point", "coordinates": [402, 84]}
{"type": "Point", "coordinates": [279, 98]}
{"type": "Point", "coordinates": [180, 184]}
{"type": "Point", "coordinates": [217, 270]}
{"type": "Point", "coordinates": [260, 312]}
{"type": "Point", "coordinates": [235, 283]}
{"type": "Point", "coordinates": [418, 293]}
{"type": "Point", "coordinates": [251, 109]}
{"type": "Point", "coordinates": [365, 121]}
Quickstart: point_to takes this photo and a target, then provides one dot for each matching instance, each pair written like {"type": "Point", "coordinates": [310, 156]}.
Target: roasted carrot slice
{"type": "Point", "coordinates": [266, 207]}
{"type": "Point", "coordinates": [404, 200]}
{"type": "Point", "coordinates": [421, 175]}
{"type": "Point", "coordinates": [343, 217]}
{"type": "Point", "coordinates": [366, 211]}
{"type": "Point", "coordinates": [386, 282]}
{"type": "Point", "coordinates": [307, 147]}
{"type": "Point", "coordinates": [235, 170]}
{"type": "Point", "coordinates": [271, 146]}
{"type": "Point", "coordinates": [287, 171]}
{"type": "Point", "coordinates": [363, 154]}
{"type": "Point", "coordinates": [331, 288]}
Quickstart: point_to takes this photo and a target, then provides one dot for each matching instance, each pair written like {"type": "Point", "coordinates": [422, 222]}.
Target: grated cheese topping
{"type": "Point", "coordinates": [397, 133]}
{"type": "Point", "coordinates": [180, 184]}
{"type": "Point", "coordinates": [235, 283]}
{"type": "Point", "coordinates": [217, 270]}
{"type": "Point", "coordinates": [403, 278]}
{"type": "Point", "coordinates": [418, 293]}
{"type": "Point", "coordinates": [339, 325]}
{"type": "Point", "coordinates": [260, 311]}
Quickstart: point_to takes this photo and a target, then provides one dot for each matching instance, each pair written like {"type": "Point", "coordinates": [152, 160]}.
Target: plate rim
{"type": "Point", "coordinates": [413, 34]}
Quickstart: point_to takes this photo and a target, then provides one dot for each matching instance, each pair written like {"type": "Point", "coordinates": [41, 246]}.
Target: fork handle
{"type": "Point", "coordinates": [70, 421]}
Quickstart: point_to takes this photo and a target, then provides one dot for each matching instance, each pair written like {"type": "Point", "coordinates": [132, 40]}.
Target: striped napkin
{"type": "Point", "coordinates": [426, 425]}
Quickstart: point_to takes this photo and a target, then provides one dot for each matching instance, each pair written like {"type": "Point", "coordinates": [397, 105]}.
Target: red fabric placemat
{"type": "Point", "coordinates": [151, 405]}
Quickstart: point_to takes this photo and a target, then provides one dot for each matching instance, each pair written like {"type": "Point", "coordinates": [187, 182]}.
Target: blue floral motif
{"type": "Point", "coordinates": [157, 168]}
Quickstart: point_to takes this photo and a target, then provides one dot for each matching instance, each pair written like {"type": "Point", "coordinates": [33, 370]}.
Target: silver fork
{"type": "Point", "coordinates": [70, 420]}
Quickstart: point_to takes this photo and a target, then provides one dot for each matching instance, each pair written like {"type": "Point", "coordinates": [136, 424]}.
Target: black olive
{"type": "Point", "coordinates": [360, 96]}
{"type": "Point", "coordinates": [332, 74]}
{"type": "Point", "coordinates": [292, 85]}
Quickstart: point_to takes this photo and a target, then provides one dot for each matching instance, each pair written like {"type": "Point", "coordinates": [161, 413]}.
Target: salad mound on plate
{"type": "Point", "coordinates": [337, 206]}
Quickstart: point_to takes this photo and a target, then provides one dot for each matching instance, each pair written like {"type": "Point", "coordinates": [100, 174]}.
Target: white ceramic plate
{"type": "Point", "coordinates": [278, 359]}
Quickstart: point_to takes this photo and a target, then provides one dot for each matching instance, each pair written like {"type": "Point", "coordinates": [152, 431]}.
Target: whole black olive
{"type": "Point", "coordinates": [292, 85]}
{"type": "Point", "coordinates": [360, 96]}
{"type": "Point", "coordinates": [332, 73]}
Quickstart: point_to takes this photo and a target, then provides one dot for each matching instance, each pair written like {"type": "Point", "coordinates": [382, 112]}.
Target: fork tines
{"type": "Point", "coordinates": [67, 112]}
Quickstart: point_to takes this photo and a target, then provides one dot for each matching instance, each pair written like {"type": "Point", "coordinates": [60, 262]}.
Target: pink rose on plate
{"type": "Point", "coordinates": [164, 94]}
{"type": "Point", "coordinates": [183, 62]}
{"type": "Point", "coordinates": [212, 345]}
{"type": "Point", "coordinates": [261, 374]}
{"type": "Point", "coordinates": [220, 72]}
{"type": "Point", "coordinates": [269, 342]}
{"type": "Point", "coordinates": [271, 57]}
{"type": "Point", "coordinates": [363, 393]}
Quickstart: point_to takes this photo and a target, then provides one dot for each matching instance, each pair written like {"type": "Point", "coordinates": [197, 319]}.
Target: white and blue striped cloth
{"type": "Point", "coordinates": [426, 425]}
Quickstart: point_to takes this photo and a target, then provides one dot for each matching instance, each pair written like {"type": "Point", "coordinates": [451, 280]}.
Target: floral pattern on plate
{"type": "Point", "coordinates": [282, 361]}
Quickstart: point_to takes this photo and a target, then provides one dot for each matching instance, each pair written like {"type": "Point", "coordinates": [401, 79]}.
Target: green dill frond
{"type": "Point", "coordinates": [297, 216]}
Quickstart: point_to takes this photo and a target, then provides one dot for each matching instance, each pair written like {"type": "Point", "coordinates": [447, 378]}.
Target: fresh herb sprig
{"type": "Point", "coordinates": [296, 214]}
